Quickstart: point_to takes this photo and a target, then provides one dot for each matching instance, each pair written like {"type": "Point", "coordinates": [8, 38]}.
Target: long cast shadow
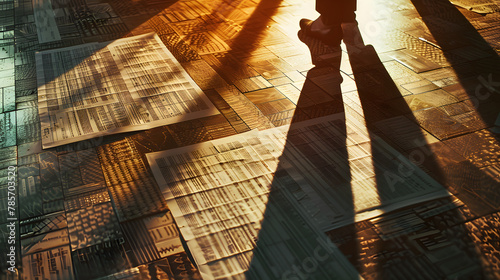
{"type": "Point", "coordinates": [291, 244]}
{"type": "Point", "coordinates": [383, 105]}
{"type": "Point", "coordinates": [290, 247]}
{"type": "Point", "coordinates": [477, 89]}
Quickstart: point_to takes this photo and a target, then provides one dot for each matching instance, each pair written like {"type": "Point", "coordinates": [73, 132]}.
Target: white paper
{"type": "Point", "coordinates": [263, 186]}
{"type": "Point", "coordinates": [129, 84]}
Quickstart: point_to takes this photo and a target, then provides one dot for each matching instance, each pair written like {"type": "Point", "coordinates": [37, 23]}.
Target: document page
{"type": "Point", "coordinates": [129, 84]}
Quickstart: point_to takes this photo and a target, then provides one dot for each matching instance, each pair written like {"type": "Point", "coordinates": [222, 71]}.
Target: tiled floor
{"type": "Point", "coordinates": [429, 87]}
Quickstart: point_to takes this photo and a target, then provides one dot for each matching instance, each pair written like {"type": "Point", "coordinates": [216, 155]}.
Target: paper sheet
{"type": "Point", "coordinates": [129, 84]}
{"type": "Point", "coordinates": [257, 204]}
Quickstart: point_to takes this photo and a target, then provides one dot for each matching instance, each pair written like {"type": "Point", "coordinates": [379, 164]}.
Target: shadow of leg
{"type": "Point", "coordinates": [299, 251]}
{"type": "Point", "coordinates": [401, 243]}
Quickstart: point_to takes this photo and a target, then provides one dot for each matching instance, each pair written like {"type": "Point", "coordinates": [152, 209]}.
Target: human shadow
{"type": "Point", "coordinates": [388, 117]}
{"type": "Point", "coordinates": [385, 224]}
{"type": "Point", "coordinates": [291, 243]}
{"type": "Point", "coordinates": [475, 64]}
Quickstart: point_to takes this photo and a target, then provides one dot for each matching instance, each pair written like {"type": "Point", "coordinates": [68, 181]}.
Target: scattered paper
{"type": "Point", "coordinates": [129, 84]}
{"type": "Point", "coordinates": [255, 204]}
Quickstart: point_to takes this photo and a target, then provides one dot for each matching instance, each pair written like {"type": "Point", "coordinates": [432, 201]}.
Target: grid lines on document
{"type": "Point", "coordinates": [80, 78]}
{"type": "Point", "coordinates": [244, 211]}
{"type": "Point", "coordinates": [352, 171]}
{"type": "Point", "coordinates": [320, 151]}
{"type": "Point", "coordinates": [119, 86]}
{"type": "Point", "coordinates": [222, 192]}
{"type": "Point", "coordinates": [82, 92]}
{"type": "Point", "coordinates": [156, 80]}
